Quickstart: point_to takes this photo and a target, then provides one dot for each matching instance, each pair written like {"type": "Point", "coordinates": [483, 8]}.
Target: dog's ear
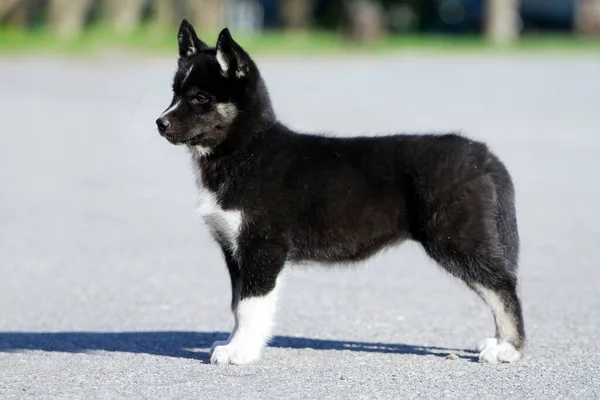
{"type": "Point", "coordinates": [189, 44]}
{"type": "Point", "coordinates": [233, 60]}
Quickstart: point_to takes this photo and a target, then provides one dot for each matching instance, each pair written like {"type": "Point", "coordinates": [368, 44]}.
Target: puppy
{"type": "Point", "coordinates": [271, 196]}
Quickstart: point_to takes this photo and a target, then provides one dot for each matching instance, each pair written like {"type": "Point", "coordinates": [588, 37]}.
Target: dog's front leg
{"type": "Point", "coordinates": [254, 272]}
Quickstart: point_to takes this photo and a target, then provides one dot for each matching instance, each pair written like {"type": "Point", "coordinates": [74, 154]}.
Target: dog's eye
{"type": "Point", "coordinates": [200, 99]}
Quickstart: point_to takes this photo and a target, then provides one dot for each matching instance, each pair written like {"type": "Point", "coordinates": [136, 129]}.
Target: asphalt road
{"type": "Point", "coordinates": [110, 287]}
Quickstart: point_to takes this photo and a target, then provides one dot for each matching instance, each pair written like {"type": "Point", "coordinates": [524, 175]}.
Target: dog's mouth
{"type": "Point", "coordinates": [193, 141]}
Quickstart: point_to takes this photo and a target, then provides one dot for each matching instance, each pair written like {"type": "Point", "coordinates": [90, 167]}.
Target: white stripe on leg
{"type": "Point", "coordinates": [505, 323]}
{"type": "Point", "coordinates": [494, 350]}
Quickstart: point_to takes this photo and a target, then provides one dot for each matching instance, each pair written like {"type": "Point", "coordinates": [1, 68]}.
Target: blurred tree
{"type": "Point", "coordinates": [208, 15]}
{"type": "Point", "coordinates": [124, 15]}
{"type": "Point", "coordinates": [363, 20]}
{"type": "Point", "coordinates": [588, 17]}
{"type": "Point", "coordinates": [14, 11]}
{"type": "Point", "coordinates": [8, 6]}
{"type": "Point", "coordinates": [502, 21]}
{"type": "Point", "coordinates": [165, 13]}
{"type": "Point", "coordinates": [67, 17]}
{"type": "Point", "coordinates": [296, 14]}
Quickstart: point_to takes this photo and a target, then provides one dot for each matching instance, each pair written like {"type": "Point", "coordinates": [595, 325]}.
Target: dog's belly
{"type": "Point", "coordinates": [344, 245]}
{"type": "Point", "coordinates": [341, 252]}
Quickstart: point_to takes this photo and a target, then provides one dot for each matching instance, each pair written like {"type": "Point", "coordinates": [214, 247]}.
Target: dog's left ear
{"type": "Point", "coordinates": [233, 60]}
{"type": "Point", "coordinates": [189, 43]}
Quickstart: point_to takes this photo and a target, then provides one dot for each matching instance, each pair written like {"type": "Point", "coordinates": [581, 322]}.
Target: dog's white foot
{"type": "Point", "coordinates": [224, 352]}
{"type": "Point", "coordinates": [485, 343]}
{"type": "Point", "coordinates": [492, 351]}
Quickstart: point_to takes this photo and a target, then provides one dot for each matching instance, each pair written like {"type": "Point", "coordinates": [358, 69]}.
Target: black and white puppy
{"type": "Point", "coordinates": [270, 195]}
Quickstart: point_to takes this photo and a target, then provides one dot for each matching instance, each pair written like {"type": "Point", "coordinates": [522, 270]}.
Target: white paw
{"type": "Point", "coordinates": [227, 353]}
{"type": "Point", "coordinates": [498, 352]}
{"type": "Point", "coordinates": [485, 343]}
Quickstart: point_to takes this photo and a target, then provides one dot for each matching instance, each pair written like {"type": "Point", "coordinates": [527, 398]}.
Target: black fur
{"type": "Point", "coordinates": [308, 197]}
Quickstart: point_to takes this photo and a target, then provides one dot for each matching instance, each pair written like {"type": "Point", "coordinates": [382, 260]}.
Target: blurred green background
{"type": "Point", "coordinates": [303, 26]}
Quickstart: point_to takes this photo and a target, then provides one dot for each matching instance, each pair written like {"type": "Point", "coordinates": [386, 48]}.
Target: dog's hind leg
{"type": "Point", "coordinates": [503, 299]}
{"type": "Point", "coordinates": [497, 286]}
{"type": "Point", "coordinates": [254, 272]}
{"type": "Point", "coordinates": [507, 345]}
{"type": "Point", "coordinates": [468, 242]}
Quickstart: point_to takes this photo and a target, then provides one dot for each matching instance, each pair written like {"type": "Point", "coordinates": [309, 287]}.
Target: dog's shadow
{"type": "Point", "coordinates": [192, 345]}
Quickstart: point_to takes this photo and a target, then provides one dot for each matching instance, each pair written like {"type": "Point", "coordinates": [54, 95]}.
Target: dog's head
{"type": "Point", "coordinates": [212, 88]}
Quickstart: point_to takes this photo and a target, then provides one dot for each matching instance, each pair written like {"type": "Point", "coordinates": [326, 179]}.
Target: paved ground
{"type": "Point", "coordinates": [110, 286]}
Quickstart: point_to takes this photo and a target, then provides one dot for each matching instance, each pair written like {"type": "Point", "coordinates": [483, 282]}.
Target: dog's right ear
{"type": "Point", "coordinates": [189, 43]}
{"type": "Point", "coordinates": [232, 59]}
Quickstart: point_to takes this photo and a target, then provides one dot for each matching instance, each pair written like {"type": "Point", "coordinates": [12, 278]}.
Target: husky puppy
{"type": "Point", "coordinates": [271, 196]}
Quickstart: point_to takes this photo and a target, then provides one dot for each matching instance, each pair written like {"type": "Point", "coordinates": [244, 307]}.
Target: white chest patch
{"type": "Point", "coordinates": [224, 225]}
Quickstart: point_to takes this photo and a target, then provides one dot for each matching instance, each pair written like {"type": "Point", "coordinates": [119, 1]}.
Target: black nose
{"type": "Point", "coordinates": [162, 124]}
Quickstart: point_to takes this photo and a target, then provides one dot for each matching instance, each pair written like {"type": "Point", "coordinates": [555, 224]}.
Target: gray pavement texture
{"type": "Point", "coordinates": [110, 286]}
